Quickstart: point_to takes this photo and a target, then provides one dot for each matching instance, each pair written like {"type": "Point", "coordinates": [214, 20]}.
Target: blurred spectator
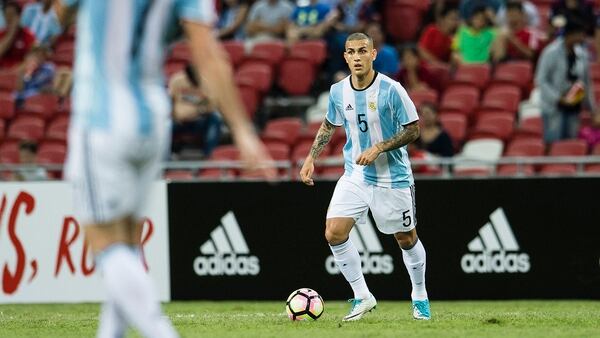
{"type": "Point", "coordinates": [532, 16]}
{"type": "Point", "coordinates": [268, 20]}
{"type": "Point", "coordinates": [63, 82]}
{"type": "Point", "coordinates": [15, 41]}
{"type": "Point", "coordinates": [368, 12]}
{"type": "Point", "coordinates": [317, 112]}
{"type": "Point", "coordinates": [231, 21]}
{"type": "Point", "coordinates": [565, 10]}
{"type": "Point", "coordinates": [591, 133]}
{"type": "Point", "coordinates": [477, 42]}
{"type": "Point", "coordinates": [42, 21]}
{"type": "Point", "coordinates": [414, 73]}
{"type": "Point", "coordinates": [193, 114]}
{"type": "Point", "coordinates": [469, 7]}
{"type": "Point", "coordinates": [28, 157]}
{"type": "Point", "coordinates": [387, 59]}
{"type": "Point", "coordinates": [434, 139]}
{"type": "Point", "coordinates": [435, 44]}
{"type": "Point", "coordinates": [521, 41]}
{"type": "Point", "coordinates": [564, 81]}
{"type": "Point", "coordinates": [346, 21]}
{"type": "Point", "coordinates": [308, 22]}
{"type": "Point", "coordinates": [35, 74]}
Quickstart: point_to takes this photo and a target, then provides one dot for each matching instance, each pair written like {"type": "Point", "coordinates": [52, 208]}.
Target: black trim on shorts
{"type": "Point", "coordinates": [414, 204]}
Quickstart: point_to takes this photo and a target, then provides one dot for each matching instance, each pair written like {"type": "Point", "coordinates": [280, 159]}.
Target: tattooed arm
{"type": "Point", "coordinates": [405, 136]}
{"type": "Point", "coordinates": [323, 136]}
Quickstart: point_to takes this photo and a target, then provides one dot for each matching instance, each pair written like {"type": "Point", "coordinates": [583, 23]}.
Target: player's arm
{"type": "Point", "coordinates": [217, 78]}
{"type": "Point", "coordinates": [323, 137]}
{"type": "Point", "coordinates": [407, 135]}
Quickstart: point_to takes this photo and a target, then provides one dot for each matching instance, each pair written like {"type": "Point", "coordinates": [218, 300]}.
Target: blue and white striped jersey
{"type": "Point", "coordinates": [120, 50]}
{"type": "Point", "coordinates": [370, 116]}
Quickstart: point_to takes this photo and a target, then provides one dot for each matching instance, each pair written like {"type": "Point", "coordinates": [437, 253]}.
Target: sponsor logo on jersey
{"type": "Point", "coordinates": [495, 249]}
{"type": "Point", "coordinates": [226, 252]}
{"type": "Point", "coordinates": [349, 107]}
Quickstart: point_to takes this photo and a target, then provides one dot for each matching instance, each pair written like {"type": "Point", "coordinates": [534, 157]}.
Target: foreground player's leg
{"type": "Point", "coordinates": [126, 282]}
{"type": "Point", "coordinates": [413, 254]}
{"type": "Point", "coordinates": [348, 261]}
{"type": "Point", "coordinates": [112, 324]}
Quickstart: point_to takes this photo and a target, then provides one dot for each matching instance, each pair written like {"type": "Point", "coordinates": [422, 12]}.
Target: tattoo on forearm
{"type": "Point", "coordinates": [404, 137]}
{"type": "Point", "coordinates": [323, 136]}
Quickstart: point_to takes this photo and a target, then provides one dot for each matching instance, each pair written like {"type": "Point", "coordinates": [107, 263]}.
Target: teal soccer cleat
{"type": "Point", "coordinates": [421, 309]}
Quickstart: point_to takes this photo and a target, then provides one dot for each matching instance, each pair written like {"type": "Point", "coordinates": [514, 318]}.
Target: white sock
{"type": "Point", "coordinates": [414, 260]}
{"type": "Point", "coordinates": [132, 291]}
{"type": "Point", "coordinates": [348, 261]}
{"type": "Point", "coordinates": [112, 324]}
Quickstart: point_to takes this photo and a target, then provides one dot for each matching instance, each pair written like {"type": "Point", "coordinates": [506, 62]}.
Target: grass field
{"type": "Point", "coordinates": [267, 319]}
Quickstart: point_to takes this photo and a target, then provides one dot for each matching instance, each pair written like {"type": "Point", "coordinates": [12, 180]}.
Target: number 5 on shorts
{"type": "Point", "coordinates": [406, 218]}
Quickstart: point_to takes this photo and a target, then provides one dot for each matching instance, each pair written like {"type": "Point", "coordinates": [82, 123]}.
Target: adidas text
{"type": "Point", "coordinates": [229, 265]}
{"type": "Point", "coordinates": [226, 253]}
{"type": "Point", "coordinates": [499, 262]}
{"type": "Point", "coordinates": [371, 264]}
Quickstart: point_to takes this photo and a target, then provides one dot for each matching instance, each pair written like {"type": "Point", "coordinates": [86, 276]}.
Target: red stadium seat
{"type": "Point", "coordinates": [505, 97]}
{"type": "Point", "coordinates": [441, 72]}
{"type": "Point", "coordinates": [595, 71]}
{"type": "Point", "coordinates": [222, 153]}
{"type": "Point", "coordinates": [518, 73]}
{"type": "Point", "coordinates": [235, 50]}
{"type": "Point", "coordinates": [63, 57]}
{"type": "Point", "coordinates": [313, 50]}
{"type": "Point", "coordinates": [257, 75]}
{"type": "Point", "coordinates": [460, 99]}
{"type": "Point", "coordinates": [565, 148]}
{"type": "Point", "coordinates": [179, 175]}
{"type": "Point", "coordinates": [525, 148]}
{"type": "Point", "coordinates": [26, 128]}
{"type": "Point", "coordinates": [296, 76]}
{"type": "Point", "coordinates": [424, 96]}
{"type": "Point", "coordinates": [530, 127]}
{"type": "Point", "coordinates": [456, 126]}
{"type": "Point", "coordinates": [180, 52]}
{"type": "Point", "coordinates": [279, 152]}
{"type": "Point", "coordinates": [476, 75]}
{"type": "Point", "coordinates": [2, 129]}
{"type": "Point", "coordinates": [494, 125]}
{"type": "Point", "coordinates": [51, 153]}
{"type": "Point", "coordinates": [57, 128]}
{"type": "Point", "coordinates": [9, 152]}
{"type": "Point", "coordinates": [332, 172]}
{"type": "Point", "coordinates": [402, 22]}
{"type": "Point", "coordinates": [271, 52]}
{"type": "Point", "coordinates": [7, 106]}
{"type": "Point", "coordinates": [286, 130]}
{"type": "Point", "coordinates": [8, 80]}
{"type": "Point", "coordinates": [43, 105]}
{"type": "Point", "coordinates": [250, 98]}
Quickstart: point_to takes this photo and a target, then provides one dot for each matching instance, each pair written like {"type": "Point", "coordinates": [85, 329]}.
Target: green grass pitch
{"type": "Point", "coordinates": [268, 319]}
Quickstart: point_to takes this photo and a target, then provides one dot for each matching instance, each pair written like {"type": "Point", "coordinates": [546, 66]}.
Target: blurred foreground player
{"type": "Point", "coordinates": [380, 120]}
{"type": "Point", "coordinates": [121, 131]}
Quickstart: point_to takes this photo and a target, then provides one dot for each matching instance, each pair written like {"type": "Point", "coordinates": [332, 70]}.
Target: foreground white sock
{"type": "Point", "coordinates": [112, 324]}
{"type": "Point", "coordinates": [132, 291]}
{"type": "Point", "coordinates": [348, 261]}
{"type": "Point", "coordinates": [414, 260]}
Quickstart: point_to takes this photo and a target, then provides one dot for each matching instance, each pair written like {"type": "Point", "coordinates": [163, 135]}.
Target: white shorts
{"type": "Point", "coordinates": [393, 209]}
{"type": "Point", "coordinates": [111, 174]}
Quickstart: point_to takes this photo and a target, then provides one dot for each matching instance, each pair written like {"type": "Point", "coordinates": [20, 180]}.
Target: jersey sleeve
{"type": "Point", "coordinates": [334, 116]}
{"type": "Point", "coordinates": [402, 106]}
{"type": "Point", "coordinates": [200, 11]}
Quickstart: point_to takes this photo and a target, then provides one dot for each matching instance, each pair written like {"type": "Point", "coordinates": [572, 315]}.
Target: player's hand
{"type": "Point", "coordinates": [368, 156]}
{"type": "Point", "coordinates": [307, 171]}
{"type": "Point", "coordinates": [254, 155]}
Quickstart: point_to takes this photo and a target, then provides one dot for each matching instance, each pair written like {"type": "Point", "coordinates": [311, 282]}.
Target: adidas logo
{"type": "Point", "coordinates": [374, 261]}
{"type": "Point", "coordinates": [226, 252]}
{"type": "Point", "coordinates": [497, 249]}
{"type": "Point", "coordinates": [349, 107]}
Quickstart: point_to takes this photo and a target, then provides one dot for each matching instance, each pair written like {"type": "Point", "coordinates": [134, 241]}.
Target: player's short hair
{"type": "Point", "coordinates": [359, 36]}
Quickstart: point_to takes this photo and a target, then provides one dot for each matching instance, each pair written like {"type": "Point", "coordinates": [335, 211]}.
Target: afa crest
{"type": "Point", "coordinates": [372, 106]}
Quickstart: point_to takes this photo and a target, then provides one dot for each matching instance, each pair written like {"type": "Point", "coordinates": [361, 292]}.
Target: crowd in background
{"type": "Point", "coordinates": [561, 42]}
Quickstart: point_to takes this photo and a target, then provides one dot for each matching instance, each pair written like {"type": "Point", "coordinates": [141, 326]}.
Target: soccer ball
{"type": "Point", "coordinates": [304, 304]}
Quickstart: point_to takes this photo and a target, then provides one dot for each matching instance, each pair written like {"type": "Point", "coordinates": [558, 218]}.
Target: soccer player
{"type": "Point", "coordinates": [380, 120]}
{"type": "Point", "coordinates": [121, 131]}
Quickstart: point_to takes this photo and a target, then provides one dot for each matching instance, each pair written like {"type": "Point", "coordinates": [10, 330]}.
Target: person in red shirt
{"type": "Point", "coordinates": [15, 41]}
{"type": "Point", "coordinates": [414, 74]}
{"type": "Point", "coordinates": [435, 44]}
{"type": "Point", "coordinates": [522, 42]}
